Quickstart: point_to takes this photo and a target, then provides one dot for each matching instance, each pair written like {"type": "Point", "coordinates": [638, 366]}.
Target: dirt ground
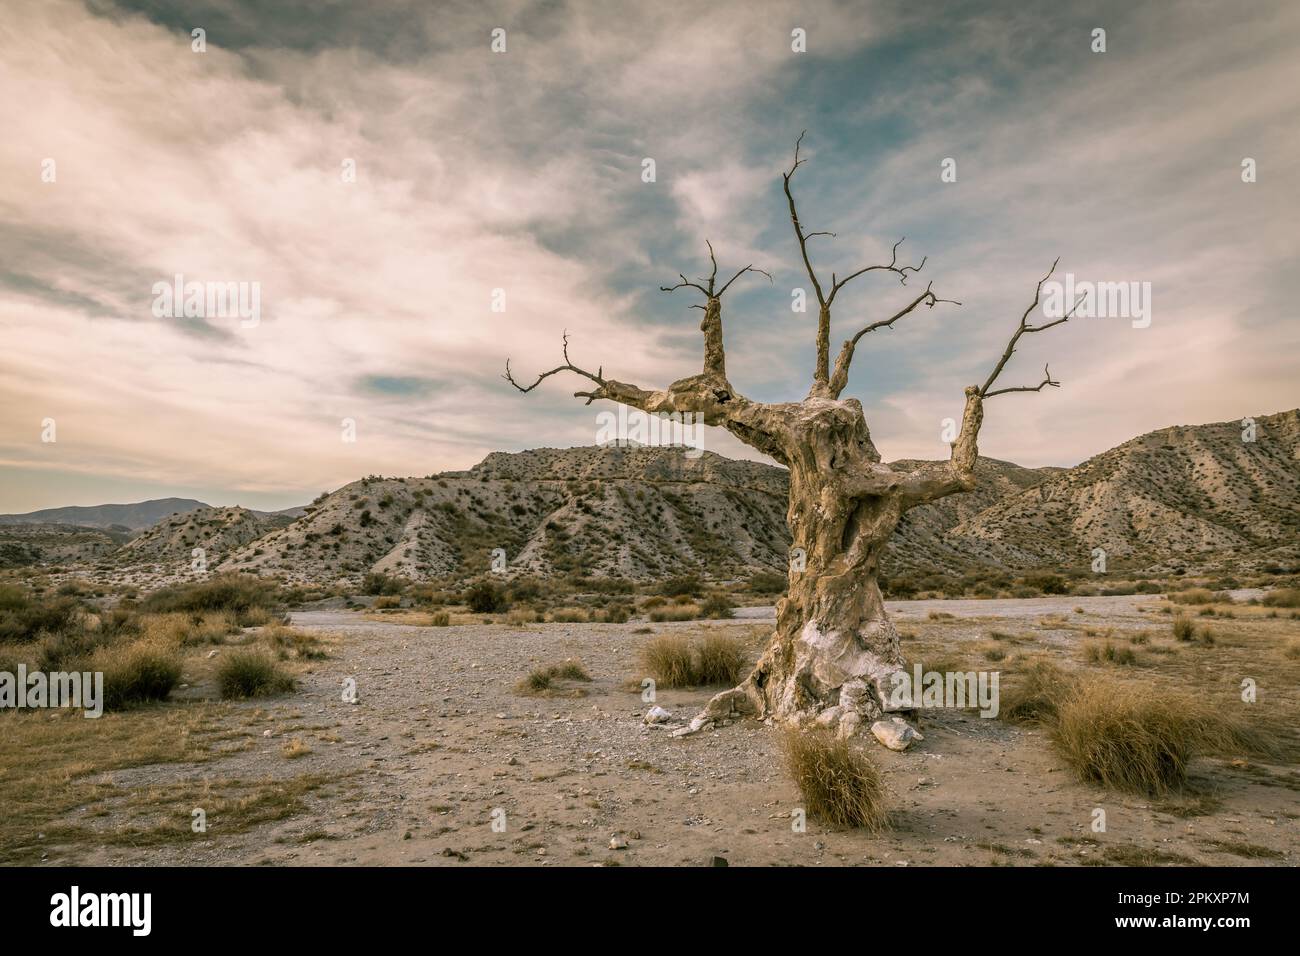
{"type": "Point", "coordinates": [439, 747]}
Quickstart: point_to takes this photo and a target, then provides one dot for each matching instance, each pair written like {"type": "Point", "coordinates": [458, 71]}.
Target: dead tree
{"type": "Point", "coordinates": [834, 650]}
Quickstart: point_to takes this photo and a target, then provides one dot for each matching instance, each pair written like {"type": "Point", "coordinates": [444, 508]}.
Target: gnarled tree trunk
{"type": "Point", "coordinates": [831, 658]}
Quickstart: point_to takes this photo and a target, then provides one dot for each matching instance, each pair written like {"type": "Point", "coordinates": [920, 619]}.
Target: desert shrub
{"type": "Point", "coordinates": [1282, 597]}
{"type": "Point", "coordinates": [1184, 628]}
{"type": "Point", "coordinates": [387, 601]}
{"type": "Point", "coordinates": [676, 612]}
{"type": "Point", "coordinates": [251, 674]}
{"type": "Point", "coordinates": [183, 630]}
{"type": "Point", "coordinates": [304, 645]}
{"type": "Point", "coordinates": [1125, 737]}
{"type": "Point", "coordinates": [1046, 582]}
{"type": "Point", "coordinates": [525, 589]}
{"type": "Point", "coordinates": [1199, 596]}
{"type": "Point", "coordinates": [68, 650]}
{"type": "Point", "coordinates": [570, 670]}
{"type": "Point", "coordinates": [1107, 652]}
{"type": "Point", "coordinates": [839, 782]}
{"type": "Point", "coordinates": [1292, 649]}
{"type": "Point", "coordinates": [719, 659]}
{"type": "Point", "coordinates": [379, 583]}
{"type": "Point", "coordinates": [685, 585]}
{"type": "Point", "coordinates": [1032, 694]}
{"type": "Point", "coordinates": [25, 618]}
{"type": "Point", "coordinates": [485, 597]}
{"type": "Point", "coordinates": [617, 614]}
{"type": "Point", "coordinates": [440, 619]}
{"type": "Point", "coordinates": [676, 661]}
{"type": "Point", "coordinates": [668, 659]}
{"type": "Point", "coordinates": [249, 598]}
{"type": "Point", "coordinates": [767, 582]}
{"type": "Point", "coordinates": [136, 674]}
{"type": "Point", "coordinates": [718, 605]}
{"type": "Point", "coordinates": [570, 615]}
{"type": "Point", "coordinates": [541, 680]}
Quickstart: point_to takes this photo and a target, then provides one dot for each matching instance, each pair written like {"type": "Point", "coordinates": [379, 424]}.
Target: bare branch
{"type": "Point", "coordinates": [794, 219]}
{"type": "Point", "coordinates": [840, 378]}
{"type": "Point", "coordinates": [741, 273]}
{"type": "Point", "coordinates": [894, 267]}
{"type": "Point", "coordinates": [1047, 380]}
{"type": "Point", "coordinates": [708, 291]}
{"type": "Point", "coordinates": [568, 366]}
{"type": "Point", "coordinates": [684, 284]}
{"type": "Point", "coordinates": [986, 390]}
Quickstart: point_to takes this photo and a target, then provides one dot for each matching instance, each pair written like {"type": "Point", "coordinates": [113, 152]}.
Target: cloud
{"type": "Point", "coordinates": [514, 178]}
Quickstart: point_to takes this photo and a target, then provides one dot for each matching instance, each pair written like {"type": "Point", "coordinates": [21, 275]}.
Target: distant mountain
{"type": "Point", "coordinates": [1181, 497]}
{"type": "Point", "coordinates": [217, 531]}
{"type": "Point", "coordinates": [1184, 498]}
{"type": "Point", "coordinates": [142, 514]}
{"type": "Point", "coordinates": [637, 512]}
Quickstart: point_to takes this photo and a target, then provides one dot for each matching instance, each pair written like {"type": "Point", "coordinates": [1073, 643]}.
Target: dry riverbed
{"type": "Point", "coordinates": [440, 761]}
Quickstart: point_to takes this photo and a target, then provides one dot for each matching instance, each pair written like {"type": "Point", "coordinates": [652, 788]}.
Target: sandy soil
{"type": "Point", "coordinates": [439, 740]}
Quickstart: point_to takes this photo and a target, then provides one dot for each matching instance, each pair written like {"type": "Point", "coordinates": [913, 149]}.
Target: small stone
{"type": "Point", "coordinates": [895, 733]}
{"type": "Point", "coordinates": [617, 844]}
{"type": "Point", "coordinates": [656, 715]}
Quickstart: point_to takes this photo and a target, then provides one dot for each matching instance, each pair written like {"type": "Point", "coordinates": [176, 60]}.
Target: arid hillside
{"type": "Point", "coordinates": [1182, 499]}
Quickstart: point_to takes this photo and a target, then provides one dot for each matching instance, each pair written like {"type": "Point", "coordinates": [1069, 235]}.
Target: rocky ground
{"type": "Point", "coordinates": [439, 747]}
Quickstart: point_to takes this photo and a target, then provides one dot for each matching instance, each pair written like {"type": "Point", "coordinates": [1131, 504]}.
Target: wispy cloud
{"type": "Point", "coordinates": [519, 174]}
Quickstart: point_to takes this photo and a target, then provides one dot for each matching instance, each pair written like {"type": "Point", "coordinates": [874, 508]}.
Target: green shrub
{"type": "Point", "coordinates": [246, 596]}
{"type": "Point", "coordinates": [686, 585]}
{"type": "Point", "coordinates": [378, 583]}
{"type": "Point", "coordinates": [136, 674]}
{"type": "Point", "coordinates": [251, 674]}
{"type": "Point", "coordinates": [25, 618]}
{"type": "Point", "coordinates": [485, 597]}
{"type": "Point", "coordinates": [718, 605]}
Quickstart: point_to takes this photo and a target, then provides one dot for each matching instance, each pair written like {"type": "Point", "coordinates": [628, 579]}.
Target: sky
{"type": "Point", "coordinates": [414, 206]}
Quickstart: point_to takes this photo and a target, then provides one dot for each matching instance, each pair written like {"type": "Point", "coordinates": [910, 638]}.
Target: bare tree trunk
{"type": "Point", "coordinates": [834, 651]}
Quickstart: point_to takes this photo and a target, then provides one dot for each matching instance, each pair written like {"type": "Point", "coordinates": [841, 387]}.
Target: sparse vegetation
{"type": "Point", "coordinates": [675, 661]}
{"type": "Point", "coordinates": [136, 674]}
{"type": "Point", "coordinates": [250, 673]}
{"type": "Point", "coordinates": [839, 782]}
{"type": "Point", "coordinates": [543, 681]}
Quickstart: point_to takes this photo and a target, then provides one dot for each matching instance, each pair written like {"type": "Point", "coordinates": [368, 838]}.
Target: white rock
{"type": "Point", "coordinates": [657, 715]}
{"type": "Point", "coordinates": [895, 733]}
{"type": "Point", "coordinates": [617, 844]}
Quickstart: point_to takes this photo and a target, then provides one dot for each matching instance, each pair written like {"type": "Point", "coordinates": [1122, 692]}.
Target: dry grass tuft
{"type": "Point", "coordinates": [839, 782]}
{"type": "Point", "coordinates": [1107, 652]}
{"type": "Point", "coordinates": [719, 659]}
{"type": "Point", "coordinates": [1032, 695]}
{"type": "Point", "coordinates": [1282, 597]}
{"type": "Point", "coordinates": [668, 659]}
{"type": "Point", "coordinates": [541, 681]}
{"type": "Point", "coordinates": [251, 674]}
{"type": "Point", "coordinates": [136, 674]}
{"type": "Point", "coordinates": [1131, 736]}
{"type": "Point", "coordinates": [675, 661]}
